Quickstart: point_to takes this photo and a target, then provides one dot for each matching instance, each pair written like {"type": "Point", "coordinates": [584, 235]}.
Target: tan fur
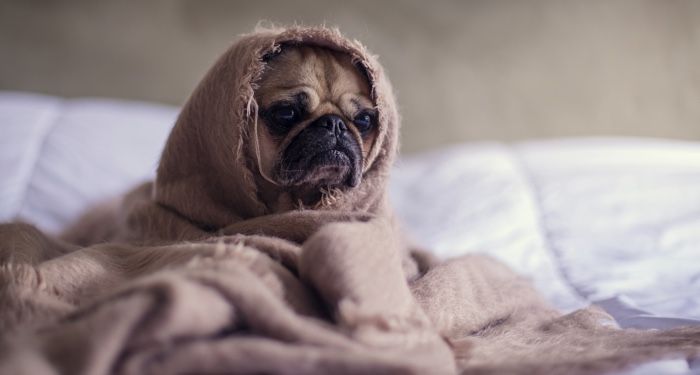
{"type": "Point", "coordinates": [205, 272]}
{"type": "Point", "coordinates": [333, 84]}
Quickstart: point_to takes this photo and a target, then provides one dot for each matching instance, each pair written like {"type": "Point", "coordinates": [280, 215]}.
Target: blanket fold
{"type": "Point", "coordinates": [197, 273]}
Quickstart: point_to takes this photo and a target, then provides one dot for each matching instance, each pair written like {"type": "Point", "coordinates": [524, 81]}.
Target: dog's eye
{"type": "Point", "coordinates": [364, 122]}
{"type": "Point", "coordinates": [285, 115]}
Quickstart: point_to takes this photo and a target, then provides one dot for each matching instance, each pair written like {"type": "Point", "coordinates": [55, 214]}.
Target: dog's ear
{"type": "Point", "coordinates": [274, 52]}
{"type": "Point", "coordinates": [363, 70]}
{"type": "Point", "coordinates": [270, 55]}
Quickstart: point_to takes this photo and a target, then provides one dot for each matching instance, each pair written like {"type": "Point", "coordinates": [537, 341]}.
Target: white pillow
{"type": "Point", "coordinates": [58, 156]}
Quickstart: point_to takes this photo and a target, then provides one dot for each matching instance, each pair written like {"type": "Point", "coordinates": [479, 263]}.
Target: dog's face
{"type": "Point", "coordinates": [316, 120]}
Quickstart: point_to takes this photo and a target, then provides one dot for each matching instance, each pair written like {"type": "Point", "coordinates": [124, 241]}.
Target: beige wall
{"type": "Point", "coordinates": [464, 70]}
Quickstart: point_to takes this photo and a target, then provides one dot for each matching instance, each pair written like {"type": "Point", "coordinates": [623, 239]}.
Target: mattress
{"type": "Point", "coordinates": [610, 221]}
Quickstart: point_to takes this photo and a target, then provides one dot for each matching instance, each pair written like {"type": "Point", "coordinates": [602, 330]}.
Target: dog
{"type": "Point", "coordinates": [313, 132]}
{"type": "Point", "coordinates": [317, 122]}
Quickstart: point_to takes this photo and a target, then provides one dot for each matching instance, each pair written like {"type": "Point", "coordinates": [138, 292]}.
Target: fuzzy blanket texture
{"type": "Point", "coordinates": [194, 274]}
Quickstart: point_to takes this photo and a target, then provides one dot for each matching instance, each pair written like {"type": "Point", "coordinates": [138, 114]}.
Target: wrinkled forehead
{"type": "Point", "coordinates": [300, 68]}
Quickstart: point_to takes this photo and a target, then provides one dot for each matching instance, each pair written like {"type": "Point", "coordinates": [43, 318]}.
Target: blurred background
{"type": "Point", "coordinates": [463, 70]}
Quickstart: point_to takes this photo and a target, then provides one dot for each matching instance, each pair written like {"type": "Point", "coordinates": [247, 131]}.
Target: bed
{"type": "Point", "coordinates": [610, 221]}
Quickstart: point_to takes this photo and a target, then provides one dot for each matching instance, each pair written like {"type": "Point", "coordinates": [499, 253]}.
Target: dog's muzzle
{"type": "Point", "coordinates": [324, 153]}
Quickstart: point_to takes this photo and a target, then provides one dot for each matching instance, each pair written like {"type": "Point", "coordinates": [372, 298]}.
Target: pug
{"type": "Point", "coordinates": [316, 123]}
{"type": "Point", "coordinates": [279, 143]}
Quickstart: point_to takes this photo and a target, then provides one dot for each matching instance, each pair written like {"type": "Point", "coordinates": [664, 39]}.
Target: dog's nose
{"type": "Point", "coordinates": [333, 123]}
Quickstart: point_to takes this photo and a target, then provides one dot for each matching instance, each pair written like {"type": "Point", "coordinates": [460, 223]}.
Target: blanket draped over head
{"type": "Point", "coordinates": [196, 274]}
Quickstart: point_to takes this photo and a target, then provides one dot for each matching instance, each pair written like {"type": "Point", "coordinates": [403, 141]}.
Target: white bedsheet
{"type": "Point", "coordinates": [615, 221]}
{"type": "Point", "coordinates": [588, 219]}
